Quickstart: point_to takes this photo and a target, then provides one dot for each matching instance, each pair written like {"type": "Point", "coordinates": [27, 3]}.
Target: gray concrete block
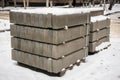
{"type": "Point", "coordinates": [49, 50]}
{"type": "Point", "coordinates": [93, 45]}
{"type": "Point", "coordinates": [96, 13]}
{"type": "Point", "coordinates": [99, 24]}
{"type": "Point", "coordinates": [99, 34]}
{"type": "Point", "coordinates": [47, 35]}
{"type": "Point", "coordinates": [49, 20]}
{"type": "Point", "coordinates": [48, 64]}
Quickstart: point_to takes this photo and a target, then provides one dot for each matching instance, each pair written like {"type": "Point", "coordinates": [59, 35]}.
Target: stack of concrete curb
{"type": "Point", "coordinates": [99, 31]}
{"type": "Point", "coordinates": [96, 11]}
{"type": "Point", "coordinates": [51, 39]}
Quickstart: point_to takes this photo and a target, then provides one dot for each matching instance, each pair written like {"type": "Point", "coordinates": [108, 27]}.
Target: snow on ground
{"type": "Point", "coordinates": [104, 65]}
{"type": "Point", "coordinates": [116, 8]}
{"type": "Point", "coordinates": [4, 24]}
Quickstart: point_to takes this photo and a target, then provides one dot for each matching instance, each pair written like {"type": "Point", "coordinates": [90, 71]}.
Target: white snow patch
{"type": "Point", "coordinates": [116, 8]}
{"type": "Point", "coordinates": [54, 11]}
{"type": "Point", "coordinates": [99, 18]}
{"type": "Point", "coordinates": [4, 24]}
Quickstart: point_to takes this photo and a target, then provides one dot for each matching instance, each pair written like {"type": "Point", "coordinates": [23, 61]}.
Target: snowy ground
{"type": "Point", "coordinates": [4, 24]}
{"type": "Point", "coordinates": [104, 65]}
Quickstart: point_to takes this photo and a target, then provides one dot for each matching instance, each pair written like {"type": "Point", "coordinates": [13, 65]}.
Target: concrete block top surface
{"type": "Point", "coordinates": [59, 10]}
{"type": "Point", "coordinates": [53, 11]}
{"type": "Point", "coordinates": [99, 18]}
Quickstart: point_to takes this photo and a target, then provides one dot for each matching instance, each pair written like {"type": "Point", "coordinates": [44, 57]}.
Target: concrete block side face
{"type": "Point", "coordinates": [13, 30]}
{"type": "Point", "coordinates": [47, 49]}
{"type": "Point", "coordinates": [24, 19]}
{"type": "Point", "coordinates": [94, 36]}
{"type": "Point", "coordinates": [87, 40]}
{"type": "Point", "coordinates": [76, 19]}
{"type": "Point", "coordinates": [36, 20]}
{"type": "Point", "coordinates": [97, 13]}
{"type": "Point", "coordinates": [32, 60]}
{"type": "Point", "coordinates": [15, 43]}
{"type": "Point", "coordinates": [58, 65]}
{"type": "Point", "coordinates": [11, 17]}
{"type": "Point", "coordinates": [100, 24]}
{"type": "Point", "coordinates": [94, 26]}
{"type": "Point", "coordinates": [92, 47]}
{"type": "Point", "coordinates": [49, 20]}
{"type": "Point", "coordinates": [91, 26]}
{"type": "Point", "coordinates": [19, 18]}
{"type": "Point", "coordinates": [71, 46]}
{"type": "Point", "coordinates": [56, 52]}
{"type": "Point", "coordinates": [106, 23]}
{"type": "Point", "coordinates": [16, 55]}
{"type": "Point", "coordinates": [31, 19]}
{"type": "Point", "coordinates": [27, 18]}
{"type": "Point", "coordinates": [83, 30]}
{"type": "Point", "coordinates": [20, 32]}
{"type": "Point", "coordinates": [86, 52]}
{"type": "Point", "coordinates": [47, 64]}
{"type": "Point", "coordinates": [55, 37]}
{"type": "Point", "coordinates": [99, 34]}
{"type": "Point", "coordinates": [88, 18]}
{"type": "Point", "coordinates": [48, 36]}
{"type": "Point", "coordinates": [108, 38]}
{"type": "Point", "coordinates": [69, 20]}
{"type": "Point", "coordinates": [105, 39]}
{"type": "Point", "coordinates": [101, 12]}
{"type": "Point", "coordinates": [23, 45]}
{"type": "Point", "coordinates": [58, 21]}
{"type": "Point", "coordinates": [100, 41]}
{"type": "Point", "coordinates": [108, 31]}
{"type": "Point", "coordinates": [104, 32]}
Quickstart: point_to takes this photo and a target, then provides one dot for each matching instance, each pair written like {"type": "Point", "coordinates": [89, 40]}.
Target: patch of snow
{"type": "Point", "coordinates": [116, 8]}
{"type": "Point", "coordinates": [99, 18]}
{"type": "Point", "coordinates": [4, 24]}
{"type": "Point", "coordinates": [54, 11]}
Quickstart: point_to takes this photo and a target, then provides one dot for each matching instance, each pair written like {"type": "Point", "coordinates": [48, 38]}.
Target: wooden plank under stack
{"type": "Point", "coordinates": [99, 31]}
{"type": "Point", "coordinates": [51, 39]}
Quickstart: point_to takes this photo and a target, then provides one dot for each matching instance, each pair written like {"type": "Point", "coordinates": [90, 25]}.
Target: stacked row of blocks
{"type": "Point", "coordinates": [52, 39]}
